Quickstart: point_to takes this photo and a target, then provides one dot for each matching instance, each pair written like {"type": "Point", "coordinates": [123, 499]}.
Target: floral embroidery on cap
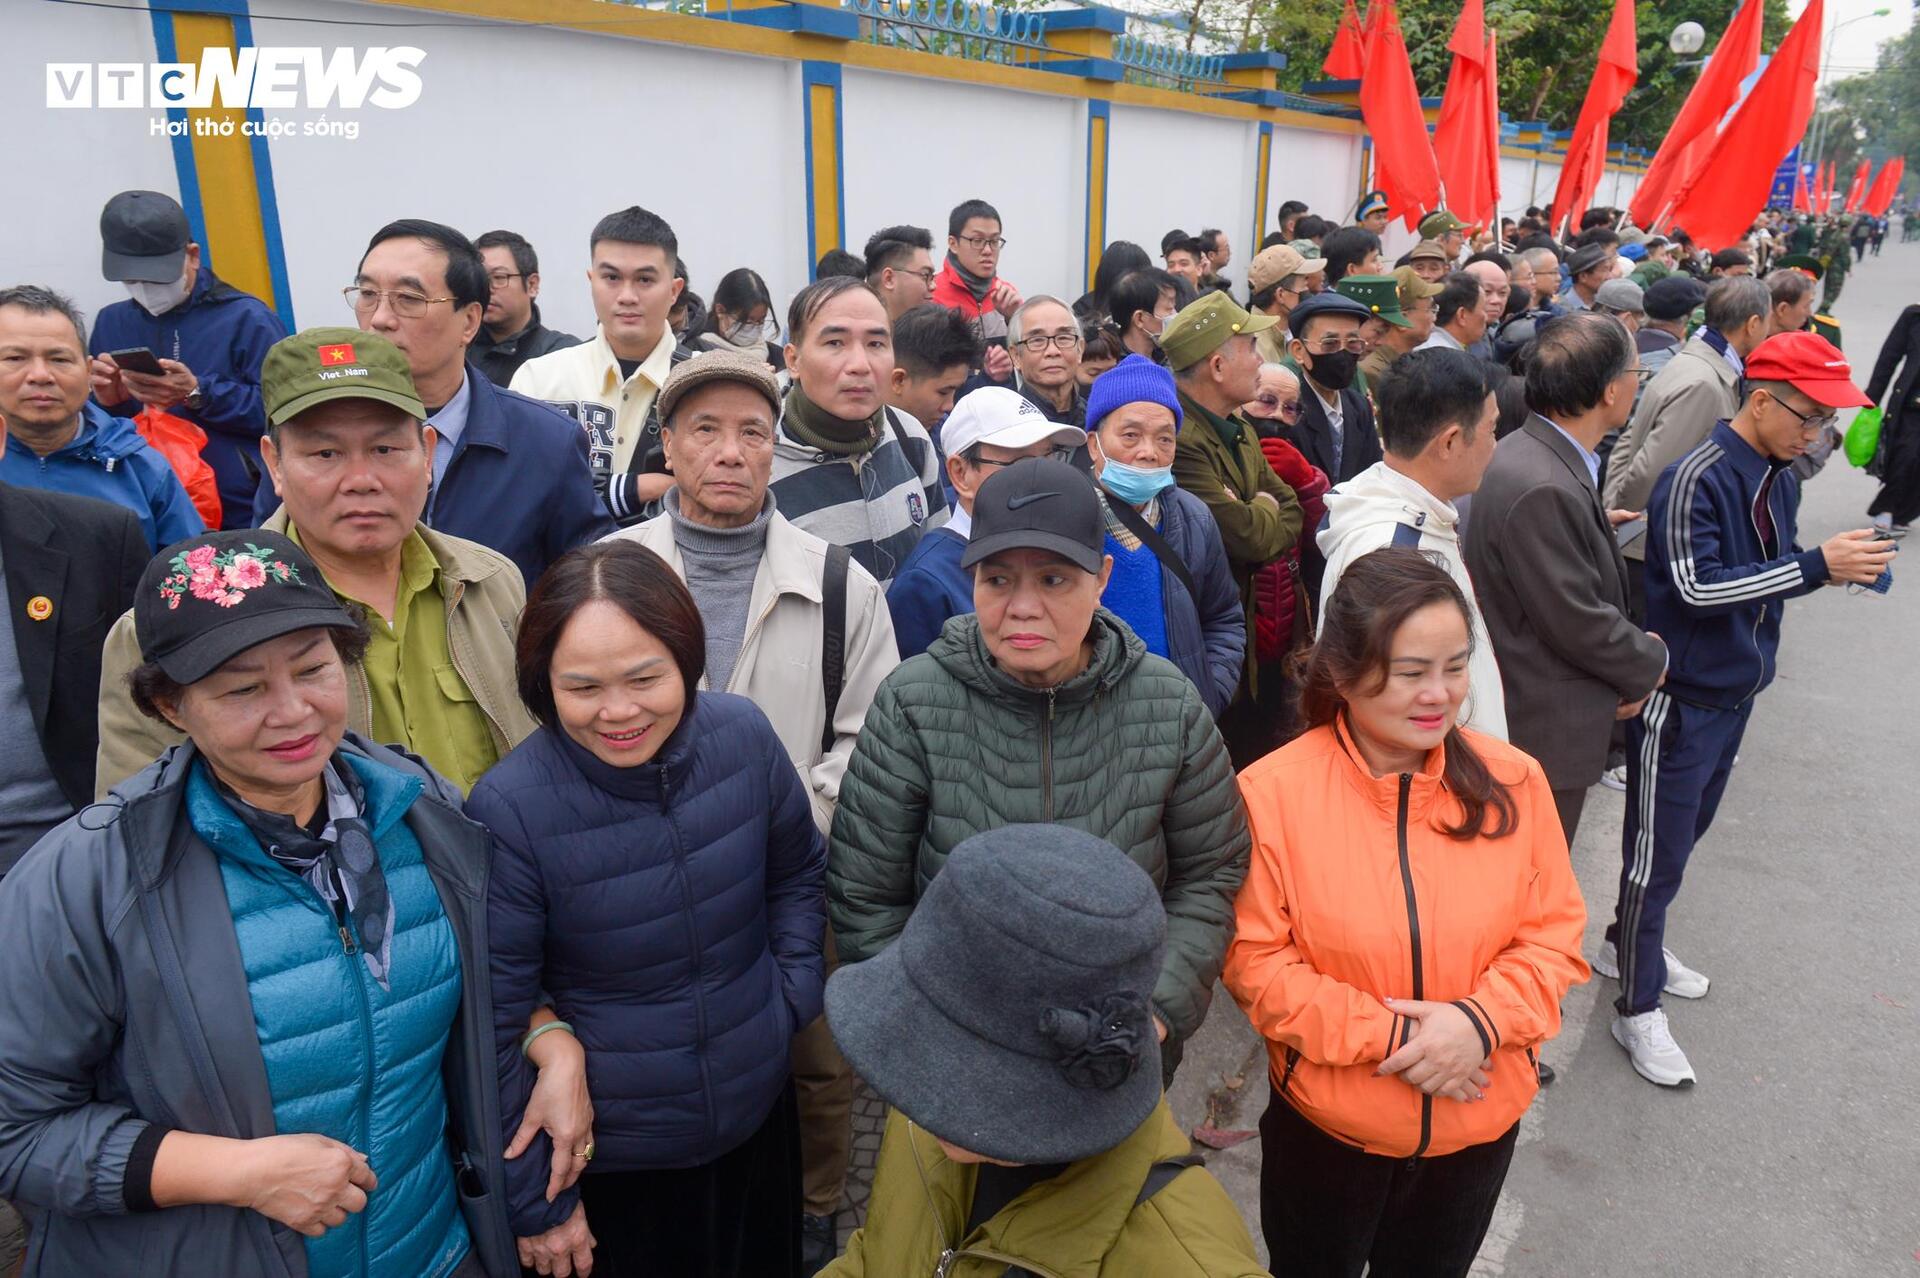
{"type": "Point", "coordinates": [223, 577]}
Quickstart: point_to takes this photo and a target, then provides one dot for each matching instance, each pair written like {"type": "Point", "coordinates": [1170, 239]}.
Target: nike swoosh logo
{"type": "Point", "coordinates": [1016, 503]}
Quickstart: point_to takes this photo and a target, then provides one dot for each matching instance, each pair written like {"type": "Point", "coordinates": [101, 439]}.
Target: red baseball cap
{"type": "Point", "coordinates": [1811, 365]}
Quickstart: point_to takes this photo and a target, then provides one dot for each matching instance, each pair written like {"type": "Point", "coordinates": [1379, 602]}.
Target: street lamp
{"type": "Point", "coordinates": [1687, 39]}
{"type": "Point", "coordinates": [1820, 120]}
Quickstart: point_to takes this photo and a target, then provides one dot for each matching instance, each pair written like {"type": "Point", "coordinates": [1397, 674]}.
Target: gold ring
{"type": "Point", "coordinates": [586, 1153]}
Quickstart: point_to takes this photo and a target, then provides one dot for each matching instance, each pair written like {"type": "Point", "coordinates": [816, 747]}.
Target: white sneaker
{"type": "Point", "coordinates": [1883, 522]}
{"type": "Point", "coordinates": [1650, 1046]}
{"type": "Point", "coordinates": [1615, 778]}
{"type": "Point", "coordinates": [1682, 981]}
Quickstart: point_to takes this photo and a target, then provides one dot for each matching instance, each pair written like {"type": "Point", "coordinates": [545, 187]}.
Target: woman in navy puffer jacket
{"type": "Point", "coordinates": [659, 880]}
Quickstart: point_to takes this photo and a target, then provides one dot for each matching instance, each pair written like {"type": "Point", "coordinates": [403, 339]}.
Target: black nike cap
{"type": "Point", "coordinates": [1038, 504]}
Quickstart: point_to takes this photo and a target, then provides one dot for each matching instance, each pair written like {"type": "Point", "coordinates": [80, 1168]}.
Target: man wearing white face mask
{"type": "Point", "coordinates": [209, 337]}
{"type": "Point", "coordinates": [1170, 581]}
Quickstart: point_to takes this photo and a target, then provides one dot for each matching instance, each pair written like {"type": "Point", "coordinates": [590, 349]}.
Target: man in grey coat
{"type": "Point", "coordinates": [1547, 569]}
{"type": "Point", "coordinates": [1699, 387]}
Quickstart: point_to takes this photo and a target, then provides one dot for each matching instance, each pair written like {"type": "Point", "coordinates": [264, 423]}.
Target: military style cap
{"type": "Point", "coordinates": [1801, 262]}
{"type": "Point", "coordinates": [1271, 265]}
{"type": "Point", "coordinates": [1413, 288]}
{"type": "Point", "coordinates": [1428, 251]}
{"type": "Point", "coordinates": [322, 364]}
{"type": "Point", "coordinates": [1205, 326]}
{"type": "Point", "coordinates": [1305, 248]}
{"type": "Point", "coordinates": [1435, 225]}
{"type": "Point", "coordinates": [1380, 294]}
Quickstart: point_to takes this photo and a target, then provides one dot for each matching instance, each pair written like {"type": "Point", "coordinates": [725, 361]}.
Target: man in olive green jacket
{"type": "Point", "coordinates": [351, 457]}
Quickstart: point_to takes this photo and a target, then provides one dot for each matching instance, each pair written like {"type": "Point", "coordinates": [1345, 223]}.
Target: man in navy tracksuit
{"type": "Point", "coordinates": [1721, 564]}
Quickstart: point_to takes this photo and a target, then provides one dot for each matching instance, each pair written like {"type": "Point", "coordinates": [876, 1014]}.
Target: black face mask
{"type": "Point", "coordinates": [1335, 371]}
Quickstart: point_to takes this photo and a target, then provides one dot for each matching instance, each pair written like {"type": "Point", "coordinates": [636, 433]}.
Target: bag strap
{"type": "Point", "coordinates": [1150, 538]}
{"type": "Point", "coordinates": [833, 635]}
{"type": "Point", "coordinates": [1162, 1174]}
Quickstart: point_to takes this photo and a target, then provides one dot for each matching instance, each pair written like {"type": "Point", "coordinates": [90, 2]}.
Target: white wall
{"type": "Point", "coordinates": [1517, 190]}
{"type": "Point", "coordinates": [1322, 169]}
{"type": "Point", "coordinates": [709, 141]}
{"type": "Point", "coordinates": [64, 165]}
{"type": "Point", "coordinates": [1168, 169]}
{"type": "Point", "coordinates": [915, 147]}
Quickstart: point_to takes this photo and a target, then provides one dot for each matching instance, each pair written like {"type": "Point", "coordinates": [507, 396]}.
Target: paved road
{"type": "Point", "coordinates": [1798, 1154]}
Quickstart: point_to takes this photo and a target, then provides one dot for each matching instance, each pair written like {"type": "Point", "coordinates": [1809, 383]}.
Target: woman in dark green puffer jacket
{"type": "Point", "coordinates": [1124, 750]}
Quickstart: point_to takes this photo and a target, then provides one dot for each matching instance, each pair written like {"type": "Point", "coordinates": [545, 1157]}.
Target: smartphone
{"type": "Point", "coordinates": [1881, 584]}
{"type": "Point", "coordinates": [1631, 531]}
{"type": "Point", "coordinates": [138, 359]}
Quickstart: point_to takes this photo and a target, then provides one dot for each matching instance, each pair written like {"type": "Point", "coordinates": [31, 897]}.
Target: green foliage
{"type": "Point", "coordinates": [1876, 115]}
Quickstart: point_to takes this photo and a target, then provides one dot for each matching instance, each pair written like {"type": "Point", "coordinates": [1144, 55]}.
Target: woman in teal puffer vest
{"type": "Point", "coordinates": [249, 1025]}
{"type": "Point", "coordinates": [1041, 706]}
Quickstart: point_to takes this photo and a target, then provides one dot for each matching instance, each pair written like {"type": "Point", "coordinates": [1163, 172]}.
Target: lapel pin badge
{"type": "Point", "coordinates": [39, 608]}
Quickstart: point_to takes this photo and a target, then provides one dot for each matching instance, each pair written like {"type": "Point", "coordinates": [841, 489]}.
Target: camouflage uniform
{"type": "Point", "coordinates": [1837, 254]}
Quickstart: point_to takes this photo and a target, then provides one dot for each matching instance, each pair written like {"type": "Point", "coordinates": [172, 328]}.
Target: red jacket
{"type": "Point", "coordinates": [1276, 587]}
{"type": "Point", "coordinates": [950, 291]}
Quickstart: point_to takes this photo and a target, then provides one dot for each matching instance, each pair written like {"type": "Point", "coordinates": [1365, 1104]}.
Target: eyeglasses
{"type": "Point", "coordinates": [1285, 409]}
{"type": "Point", "coordinates": [1809, 424]}
{"type": "Point", "coordinates": [405, 304]}
{"type": "Point", "coordinates": [1057, 454]}
{"type": "Point", "coordinates": [1040, 341]}
{"type": "Point", "coordinates": [994, 242]}
{"type": "Point", "coordinates": [1334, 345]}
{"type": "Point", "coordinates": [501, 277]}
{"type": "Point", "coordinates": [927, 277]}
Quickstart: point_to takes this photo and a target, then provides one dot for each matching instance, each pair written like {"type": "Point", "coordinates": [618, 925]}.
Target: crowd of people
{"type": "Point", "coordinates": [490, 793]}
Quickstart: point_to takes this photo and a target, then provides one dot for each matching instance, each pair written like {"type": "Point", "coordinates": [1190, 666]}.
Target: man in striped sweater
{"type": "Point", "coordinates": [847, 468]}
{"type": "Point", "coordinates": [1721, 564]}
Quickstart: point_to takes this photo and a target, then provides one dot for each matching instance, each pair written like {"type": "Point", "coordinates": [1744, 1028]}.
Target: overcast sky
{"type": "Point", "coordinates": [1856, 48]}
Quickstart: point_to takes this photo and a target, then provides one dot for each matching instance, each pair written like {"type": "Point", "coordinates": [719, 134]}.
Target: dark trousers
{"type": "Point", "coordinates": [1568, 803]}
{"type": "Point", "coordinates": [1329, 1210]}
{"type": "Point", "coordinates": [1679, 757]}
{"type": "Point", "coordinates": [1254, 727]}
{"type": "Point", "coordinates": [735, 1217]}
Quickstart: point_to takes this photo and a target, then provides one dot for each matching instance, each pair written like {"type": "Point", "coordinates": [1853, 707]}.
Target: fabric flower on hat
{"type": "Point", "coordinates": [1098, 1045]}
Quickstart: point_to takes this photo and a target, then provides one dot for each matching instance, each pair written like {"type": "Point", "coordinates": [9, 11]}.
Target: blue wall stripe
{"type": "Point", "coordinates": [184, 170]}
{"type": "Point", "coordinates": [269, 201]}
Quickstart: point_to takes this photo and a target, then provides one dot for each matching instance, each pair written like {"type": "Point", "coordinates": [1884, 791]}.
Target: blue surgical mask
{"type": "Point", "coordinates": [1133, 484]}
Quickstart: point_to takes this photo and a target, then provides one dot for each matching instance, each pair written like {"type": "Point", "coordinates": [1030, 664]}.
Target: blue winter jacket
{"type": "Point", "coordinates": [108, 460]}
{"type": "Point", "coordinates": [1206, 637]}
{"type": "Point", "coordinates": [518, 482]}
{"type": "Point", "coordinates": [1715, 590]}
{"type": "Point", "coordinates": [344, 1057]}
{"type": "Point", "coordinates": [674, 914]}
{"type": "Point", "coordinates": [930, 588]}
{"type": "Point", "coordinates": [222, 334]}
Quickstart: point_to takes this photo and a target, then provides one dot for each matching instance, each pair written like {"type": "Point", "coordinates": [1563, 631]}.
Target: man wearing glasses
{"type": "Point", "coordinates": [1045, 341]}
{"type": "Point", "coordinates": [510, 329]}
{"type": "Point", "coordinates": [900, 267]}
{"type": "Point", "coordinates": [1335, 431]}
{"type": "Point", "coordinates": [508, 472]}
{"type": "Point", "coordinates": [1416, 297]}
{"type": "Point", "coordinates": [970, 281]}
{"type": "Point", "coordinates": [1721, 564]}
{"type": "Point", "coordinates": [989, 429]}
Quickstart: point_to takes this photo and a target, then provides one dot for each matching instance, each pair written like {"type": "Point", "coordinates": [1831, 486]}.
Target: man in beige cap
{"type": "Point", "coordinates": [1429, 260]}
{"type": "Point", "coordinates": [1276, 280]}
{"type": "Point", "coordinates": [768, 595]}
{"type": "Point", "coordinates": [1216, 368]}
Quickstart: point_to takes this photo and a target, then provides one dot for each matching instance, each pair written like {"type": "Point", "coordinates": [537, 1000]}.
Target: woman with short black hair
{"type": "Point", "coordinates": [658, 879]}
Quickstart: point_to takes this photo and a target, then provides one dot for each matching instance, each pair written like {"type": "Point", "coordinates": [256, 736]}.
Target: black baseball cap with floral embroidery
{"type": "Point", "coordinates": [206, 600]}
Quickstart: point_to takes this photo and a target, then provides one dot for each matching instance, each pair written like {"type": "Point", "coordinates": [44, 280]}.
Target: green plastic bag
{"type": "Point", "coordinates": [1863, 437]}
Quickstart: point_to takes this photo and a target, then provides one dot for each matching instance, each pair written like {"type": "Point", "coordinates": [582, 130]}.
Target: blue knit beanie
{"type": "Point", "coordinates": [1134, 380]}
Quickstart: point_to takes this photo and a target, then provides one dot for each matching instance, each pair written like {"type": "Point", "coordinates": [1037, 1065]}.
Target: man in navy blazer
{"type": "Point", "coordinates": [509, 472]}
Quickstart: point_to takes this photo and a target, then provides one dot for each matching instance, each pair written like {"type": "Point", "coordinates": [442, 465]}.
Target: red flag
{"type": "Point", "coordinates": [1857, 189]}
{"type": "Point", "coordinates": [1720, 199]}
{"type": "Point", "coordinates": [1691, 136]}
{"type": "Point", "coordinates": [1886, 185]}
{"type": "Point", "coordinates": [1802, 201]}
{"type": "Point", "coordinates": [1823, 189]}
{"type": "Point", "coordinates": [1461, 138]}
{"type": "Point", "coordinates": [1493, 134]}
{"type": "Point", "coordinates": [1613, 76]}
{"type": "Point", "coordinates": [1347, 60]}
{"type": "Point", "coordinates": [1403, 163]}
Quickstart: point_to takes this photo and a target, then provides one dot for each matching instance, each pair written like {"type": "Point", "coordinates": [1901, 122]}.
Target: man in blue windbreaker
{"type": "Point", "coordinates": [208, 337]}
{"type": "Point", "coordinates": [1721, 564]}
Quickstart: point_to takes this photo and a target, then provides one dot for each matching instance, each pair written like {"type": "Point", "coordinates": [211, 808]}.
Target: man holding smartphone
{"type": "Point", "coordinates": [186, 343]}
{"type": "Point", "coordinates": [1721, 564]}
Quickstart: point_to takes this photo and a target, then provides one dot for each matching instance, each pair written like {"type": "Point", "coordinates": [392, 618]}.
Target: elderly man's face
{"type": "Point", "coordinates": [43, 370]}
{"type": "Point", "coordinates": [720, 448]}
{"type": "Point", "coordinates": [1494, 288]}
{"type": "Point", "coordinates": [1048, 351]}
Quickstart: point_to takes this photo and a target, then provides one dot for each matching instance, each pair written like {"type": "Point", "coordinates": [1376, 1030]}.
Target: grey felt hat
{"type": "Point", "coordinates": [1013, 1017]}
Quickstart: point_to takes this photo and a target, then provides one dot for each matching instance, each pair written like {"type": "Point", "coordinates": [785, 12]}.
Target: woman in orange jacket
{"type": "Point", "coordinates": [1406, 932]}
